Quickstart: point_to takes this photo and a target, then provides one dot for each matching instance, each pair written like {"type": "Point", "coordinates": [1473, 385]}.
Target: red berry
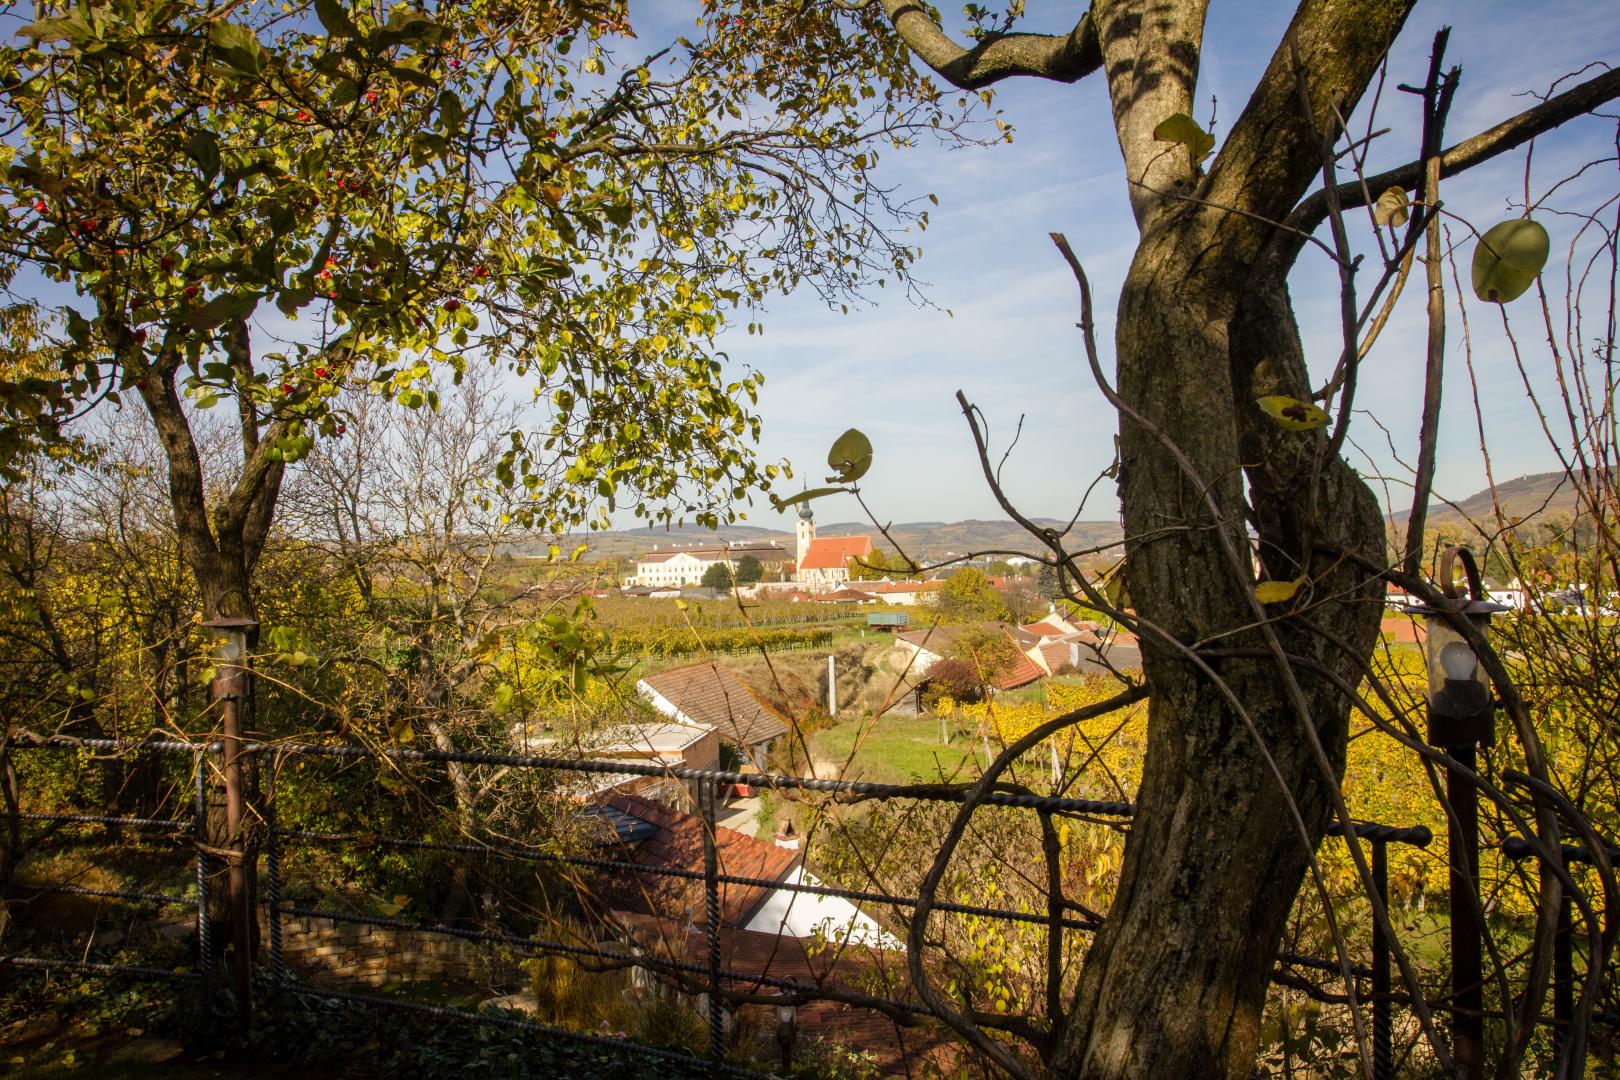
{"type": "Point", "coordinates": [286, 388]}
{"type": "Point", "coordinates": [455, 63]}
{"type": "Point", "coordinates": [302, 116]}
{"type": "Point", "coordinates": [371, 97]}
{"type": "Point", "coordinates": [321, 373]}
{"type": "Point", "coordinates": [192, 290]}
{"type": "Point", "coordinates": [165, 264]}
{"type": "Point", "coordinates": [139, 336]}
{"type": "Point", "coordinates": [480, 271]}
{"type": "Point", "coordinates": [341, 429]}
{"type": "Point", "coordinates": [40, 205]}
{"type": "Point", "coordinates": [452, 304]}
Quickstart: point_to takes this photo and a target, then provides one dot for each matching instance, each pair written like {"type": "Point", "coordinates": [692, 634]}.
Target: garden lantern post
{"type": "Point", "coordinates": [1461, 718]}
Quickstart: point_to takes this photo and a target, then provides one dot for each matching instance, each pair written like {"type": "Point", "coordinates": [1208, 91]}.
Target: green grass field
{"type": "Point", "coordinates": [897, 749]}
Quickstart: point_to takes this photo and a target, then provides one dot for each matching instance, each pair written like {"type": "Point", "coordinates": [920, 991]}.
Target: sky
{"type": "Point", "coordinates": [1001, 306]}
{"type": "Point", "coordinates": [1001, 325]}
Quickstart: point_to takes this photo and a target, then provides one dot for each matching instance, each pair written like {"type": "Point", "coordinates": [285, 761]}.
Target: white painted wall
{"type": "Point", "coordinates": [802, 915]}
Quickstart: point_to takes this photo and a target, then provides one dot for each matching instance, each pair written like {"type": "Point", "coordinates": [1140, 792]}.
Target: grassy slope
{"type": "Point", "coordinates": [895, 749]}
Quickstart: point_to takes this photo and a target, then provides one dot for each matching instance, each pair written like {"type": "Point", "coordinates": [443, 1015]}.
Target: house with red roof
{"type": "Point", "coordinates": [654, 838]}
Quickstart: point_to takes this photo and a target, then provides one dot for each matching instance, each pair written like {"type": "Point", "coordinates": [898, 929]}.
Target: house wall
{"type": "Point", "coordinates": [803, 915]}
{"type": "Point", "coordinates": [682, 569]}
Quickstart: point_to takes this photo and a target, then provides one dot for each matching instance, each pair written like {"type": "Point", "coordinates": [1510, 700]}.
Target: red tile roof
{"type": "Point", "coordinates": [844, 596]}
{"type": "Point", "coordinates": [711, 695]}
{"type": "Point", "coordinates": [882, 587]}
{"type": "Point", "coordinates": [1022, 673]}
{"type": "Point", "coordinates": [834, 552]}
{"type": "Point", "coordinates": [1044, 629]}
{"type": "Point", "coordinates": [678, 845]}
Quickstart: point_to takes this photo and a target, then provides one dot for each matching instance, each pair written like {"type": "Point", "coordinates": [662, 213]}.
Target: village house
{"type": "Point", "coordinates": [673, 745]}
{"type": "Point", "coordinates": [709, 696]}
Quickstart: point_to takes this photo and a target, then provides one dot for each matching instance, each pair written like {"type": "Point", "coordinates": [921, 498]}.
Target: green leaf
{"type": "Point", "coordinates": [414, 27]}
{"type": "Point", "coordinates": [1393, 208]}
{"type": "Point", "coordinates": [1181, 128]}
{"type": "Point", "coordinates": [291, 300]}
{"type": "Point", "coordinates": [501, 701]}
{"type": "Point", "coordinates": [805, 496]}
{"type": "Point", "coordinates": [71, 29]}
{"type": "Point", "coordinates": [238, 47]}
{"type": "Point", "coordinates": [78, 327]}
{"type": "Point", "coordinates": [409, 74]}
{"type": "Point", "coordinates": [335, 19]}
{"type": "Point", "coordinates": [850, 456]}
{"type": "Point", "coordinates": [1115, 591]}
{"type": "Point", "coordinates": [1508, 259]}
{"type": "Point", "coordinates": [203, 148]}
{"type": "Point", "coordinates": [222, 308]}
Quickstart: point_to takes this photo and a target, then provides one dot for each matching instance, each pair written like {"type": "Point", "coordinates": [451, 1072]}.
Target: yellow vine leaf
{"type": "Point", "coordinates": [1291, 413]}
{"type": "Point", "coordinates": [1275, 592]}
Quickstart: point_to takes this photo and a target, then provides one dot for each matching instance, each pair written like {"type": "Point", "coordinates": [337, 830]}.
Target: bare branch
{"type": "Point", "coordinates": [1470, 152]}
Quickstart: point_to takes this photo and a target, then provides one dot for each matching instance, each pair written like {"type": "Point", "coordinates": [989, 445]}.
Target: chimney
{"type": "Point", "coordinates": [785, 836]}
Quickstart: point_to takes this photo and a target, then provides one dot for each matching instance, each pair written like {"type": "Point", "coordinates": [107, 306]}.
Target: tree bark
{"type": "Point", "coordinates": [1241, 765]}
{"type": "Point", "coordinates": [1176, 980]}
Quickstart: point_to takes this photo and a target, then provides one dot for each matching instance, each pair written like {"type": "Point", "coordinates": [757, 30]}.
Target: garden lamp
{"type": "Point", "coordinates": [1462, 716]}
{"type": "Point", "coordinates": [1462, 709]}
{"type": "Point", "coordinates": [786, 1014]}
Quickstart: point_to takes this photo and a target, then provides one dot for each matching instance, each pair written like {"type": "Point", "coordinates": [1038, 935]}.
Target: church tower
{"type": "Point", "coordinates": [807, 533]}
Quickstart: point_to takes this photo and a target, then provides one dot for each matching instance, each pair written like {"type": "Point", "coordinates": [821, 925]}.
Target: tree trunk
{"type": "Point", "coordinates": [1175, 982]}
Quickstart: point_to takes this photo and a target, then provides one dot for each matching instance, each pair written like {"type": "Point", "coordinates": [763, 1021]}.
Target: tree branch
{"type": "Point", "coordinates": [1510, 133]}
{"type": "Point", "coordinates": [1060, 57]}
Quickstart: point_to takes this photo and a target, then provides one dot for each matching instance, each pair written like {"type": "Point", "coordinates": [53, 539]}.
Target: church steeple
{"type": "Point", "coordinates": [806, 530]}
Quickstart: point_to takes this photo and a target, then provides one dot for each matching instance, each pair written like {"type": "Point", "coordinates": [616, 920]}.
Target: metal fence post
{"type": "Point", "coordinates": [205, 943]}
{"type": "Point", "coordinates": [711, 897]}
{"type": "Point", "coordinates": [272, 866]}
{"type": "Point", "coordinates": [1383, 1050]}
{"type": "Point", "coordinates": [1563, 970]}
{"type": "Point", "coordinates": [1467, 960]}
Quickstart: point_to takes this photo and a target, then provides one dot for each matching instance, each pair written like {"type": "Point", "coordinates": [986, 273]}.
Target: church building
{"type": "Point", "coordinates": [824, 562]}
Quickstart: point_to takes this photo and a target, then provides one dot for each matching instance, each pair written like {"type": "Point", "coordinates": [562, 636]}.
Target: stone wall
{"type": "Point", "coordinates": [376, 956]}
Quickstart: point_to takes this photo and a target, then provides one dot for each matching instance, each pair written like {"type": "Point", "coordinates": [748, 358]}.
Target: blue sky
{"type": "Point", "coordinates": [1001, 326]}
{"type": "Point", "coordinates": [1010, 341]}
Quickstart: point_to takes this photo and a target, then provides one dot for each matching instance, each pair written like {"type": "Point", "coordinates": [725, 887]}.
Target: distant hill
{"type": "Point", "coordinates": [1522, 497]}
{"type": "Point", "coordinates": [935, 541]}
{"type": "Point", "coordinates": [929, 541]}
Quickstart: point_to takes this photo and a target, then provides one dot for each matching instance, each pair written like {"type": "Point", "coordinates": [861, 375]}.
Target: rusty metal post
{"type": "Point", "coordinates": [711, 897]}
{"type": "Point", "coordinates": [233, 685]}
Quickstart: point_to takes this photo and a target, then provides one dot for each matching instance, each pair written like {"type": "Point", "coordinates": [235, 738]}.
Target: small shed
{"type": "Point", "coordinates": [888, 621]}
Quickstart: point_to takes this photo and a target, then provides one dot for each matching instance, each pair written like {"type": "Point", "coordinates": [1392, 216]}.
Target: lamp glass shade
{"type": "Point", "coordinates": [1450, 659]}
